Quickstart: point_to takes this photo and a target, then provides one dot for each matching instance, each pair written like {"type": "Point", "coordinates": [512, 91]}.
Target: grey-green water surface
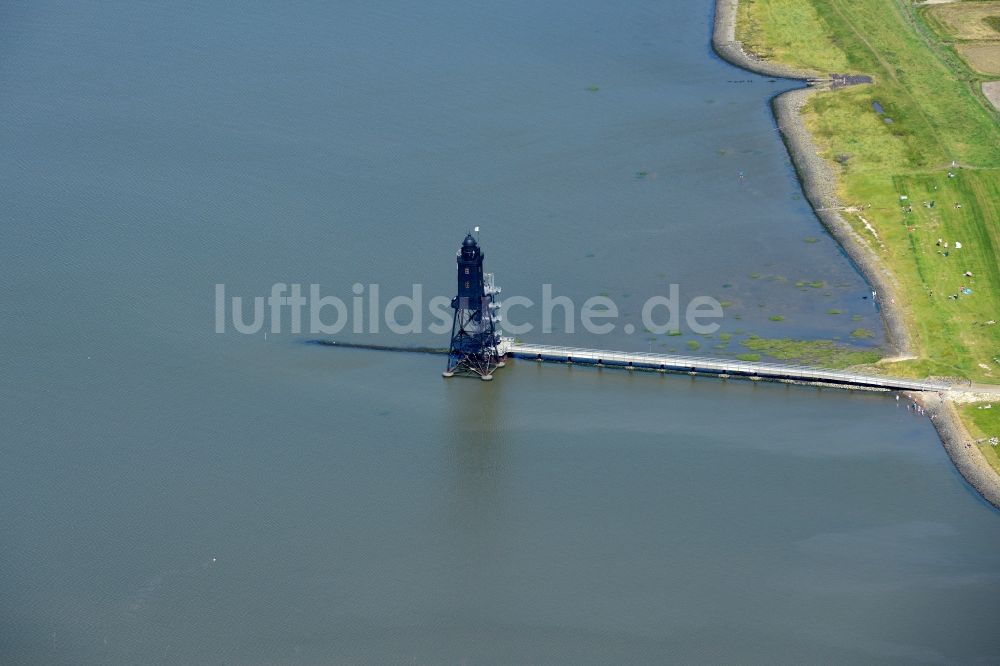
{"type": "Point", "coordinates": [174, 496]}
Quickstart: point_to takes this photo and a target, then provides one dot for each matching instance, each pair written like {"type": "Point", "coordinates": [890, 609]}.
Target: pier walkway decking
{"type": "Point", "coordinates": [719, 367]}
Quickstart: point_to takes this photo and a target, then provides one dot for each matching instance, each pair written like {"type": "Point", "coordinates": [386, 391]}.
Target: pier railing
{"type": "Point", "coordinates": [718, 367]}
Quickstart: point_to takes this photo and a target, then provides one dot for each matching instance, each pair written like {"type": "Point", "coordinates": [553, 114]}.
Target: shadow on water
{"type": "Point", "coordinates": [377, 347]}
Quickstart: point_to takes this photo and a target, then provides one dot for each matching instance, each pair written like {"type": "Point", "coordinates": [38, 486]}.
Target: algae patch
{"type": "Point", "coordinates": [825, 353]}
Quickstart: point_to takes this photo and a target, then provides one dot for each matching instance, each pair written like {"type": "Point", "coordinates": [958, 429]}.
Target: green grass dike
{"type": "Point", "coordinates": [983, 423]}
{"type": "Point", "coordinates": [919, 171]}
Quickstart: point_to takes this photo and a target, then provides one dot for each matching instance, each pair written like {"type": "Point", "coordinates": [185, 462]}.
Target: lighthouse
{"type": "Point", "coordinates": [477, 346]}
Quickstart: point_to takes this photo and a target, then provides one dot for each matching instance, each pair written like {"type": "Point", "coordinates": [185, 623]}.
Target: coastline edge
{"type": "Point", "coordinates": [817, 179]}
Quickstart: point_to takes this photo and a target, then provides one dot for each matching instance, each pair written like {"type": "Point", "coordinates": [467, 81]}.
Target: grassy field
{"type": "Point", "coordinates": [982, 57]}
{"type": "Point", "coordinates": [966, 20]}
{"type": "Point", "coordinates": [983, 424]}
{"type": "Point", "coordinates": [937, 143]}
{"type": "Point", "coordinates": [784, 31]}
{"type": "Point", "coordinates": [972, 29]}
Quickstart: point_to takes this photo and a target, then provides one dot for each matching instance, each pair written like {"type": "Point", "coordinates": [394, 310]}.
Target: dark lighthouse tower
{"type": "Point", "coordinates": [477, 347]}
